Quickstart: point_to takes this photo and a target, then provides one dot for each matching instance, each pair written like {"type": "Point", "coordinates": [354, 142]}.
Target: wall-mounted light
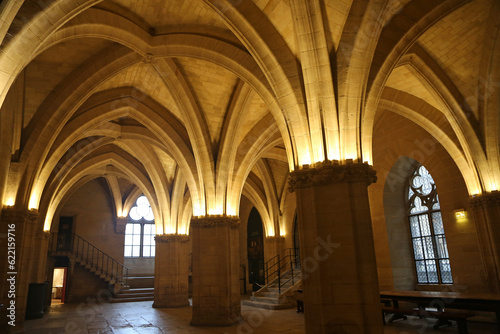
{"type": "Point", "coordinates": [460, 215]}
{"type": "Point", "coordinates": [10, 202]}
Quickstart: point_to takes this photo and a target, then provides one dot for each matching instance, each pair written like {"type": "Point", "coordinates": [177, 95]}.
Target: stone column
{"type": "Point", "coordinates": [171, 271]}
{"type": "Point", "coordinates": [216, 286]}
{"type": "Point", "coordinates": [121, 224]}
{"type": "Point", "coordinates": [273, 246]}
{"type": "Point", "coordinates": [486, 211]}
{"type": "Point", "coordinates": [341, 292]}
{"type": "Point", "coordinates": [20, 226]}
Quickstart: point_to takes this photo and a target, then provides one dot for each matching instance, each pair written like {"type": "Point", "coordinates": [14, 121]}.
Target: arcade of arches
{"type": "Point", "coordinates": [315, 109]}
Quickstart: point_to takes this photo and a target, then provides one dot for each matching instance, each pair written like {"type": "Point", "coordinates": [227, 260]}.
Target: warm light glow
{"type": "Point", "coordinates": [493, 186]}
{"type": "Point", "coordinates": [159, 229]}
{"type": "Point", "coordinates": [122, 213]}
{"type": "Point", "coordinates": [282, 233]}
{"type": "Point", "coordinates": [216, 211]}
{"type": "Point", "coordinates": [33, 205]}
{"type": "Point", "coordinates": [10, 201]}
{"type": "Point", "coordinates": [460, 215]}
{"type": "Point", "coordinates": [46, 225]}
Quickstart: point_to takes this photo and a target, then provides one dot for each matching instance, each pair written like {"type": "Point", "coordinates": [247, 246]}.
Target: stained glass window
{"type": "Point", "coordinates": [430, 251]}
{"type": "Point", "coordinates": [140, 230]}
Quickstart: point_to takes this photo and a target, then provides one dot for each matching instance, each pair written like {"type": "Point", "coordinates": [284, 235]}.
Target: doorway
{"type": "Point", "coordinates": [64, 233]}
{"type": "Point", "coordinates": [255, 248]}
{"type": "Point", "coordinates": [59, 286]}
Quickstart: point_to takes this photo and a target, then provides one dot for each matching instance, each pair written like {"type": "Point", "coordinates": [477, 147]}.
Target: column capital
{"type": "Point", "coordinates": [121, 224]}
{"type": "Point", "coordinates": [169, 238]}
{"type": "Point", "coordinates": [275, 238]}
{"type": "Point", "coordinates": [215, 221]}
{"type": "Point", "coordinates": [17, 215]}
{"type": "Point", "coordinates": [43, 235]}
{"type": "Point", "coordinates": [329, 172]}
{"type": "Point", "coordinates": [485, 199]}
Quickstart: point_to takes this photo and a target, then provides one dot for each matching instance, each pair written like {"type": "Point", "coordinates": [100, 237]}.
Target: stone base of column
{"type": "Point", "coordinates": [171, 271]}
{"type": "Point", "coordinates": [216, 285]}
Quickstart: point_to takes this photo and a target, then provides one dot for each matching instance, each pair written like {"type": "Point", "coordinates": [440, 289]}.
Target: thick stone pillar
{"type": "Point", "coordinates": [171, 271]}
{"type": "Point", "coordinates": [216, 267]}
{"type": "Point", "coordinates": [273, 246]}
{"type": "Point", "coordinates": [18, 229]}
{"type": "Point", "coordinates": [486, 211]}
{"type": "Point", "coordinates": [341, 292]}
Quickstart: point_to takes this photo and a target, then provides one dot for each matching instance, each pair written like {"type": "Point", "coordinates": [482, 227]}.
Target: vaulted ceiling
{"type": "Point", "coordinates": [178, 97]}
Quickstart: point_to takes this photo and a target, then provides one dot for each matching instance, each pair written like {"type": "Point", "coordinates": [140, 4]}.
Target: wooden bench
{"type": "Point", "coordinates": [444, 316]}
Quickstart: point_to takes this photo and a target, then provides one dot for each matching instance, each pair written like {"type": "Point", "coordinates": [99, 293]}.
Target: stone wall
{"type": "Point", "coordinates": [396, 143]}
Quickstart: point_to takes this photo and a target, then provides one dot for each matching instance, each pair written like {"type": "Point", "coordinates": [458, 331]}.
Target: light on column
{"type": "Point", "coordinates": [460, 215]}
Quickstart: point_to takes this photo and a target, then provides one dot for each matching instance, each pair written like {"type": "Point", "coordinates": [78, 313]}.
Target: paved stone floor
{"type": "Point", "coordinates": [140, 317]}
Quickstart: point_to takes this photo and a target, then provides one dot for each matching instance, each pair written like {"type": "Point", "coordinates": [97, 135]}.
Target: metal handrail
{"type": "Point", "coordinates": [90, 254]}
{"type": "Point", "coordinates": [282, 261]}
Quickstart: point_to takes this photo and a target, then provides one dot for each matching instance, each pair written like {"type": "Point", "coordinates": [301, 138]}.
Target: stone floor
{"type": "Point", "coordinates": [139, 317]}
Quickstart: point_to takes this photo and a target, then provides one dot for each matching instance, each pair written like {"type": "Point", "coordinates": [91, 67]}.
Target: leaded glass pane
{"type": "Point", "coordinates": [417, 248]}
{"type": "Point", "coordinates": [128, 250]}
{"type": "Point", "coordinates": [421, 272]}
{"type": "Point", "coordinates": [436, 205]}
{"type": "Point", "coordinates": [437, 223]}
{"type": "Point", "coordinates": [417, 206]}
{"type": "Point", "coordinates": [422, 181]}
{"type": "Point", "coordinates": [432, 271]}
{"type": "Point", "coordinates": [428, 247]}
{"type": "Point", "coordinates": [128, 239]}
{"type": "Point", "coordinates": [424, 224]}
{"type": "Point", "coordinates": [146, 251]}
{"type": "Point", "coordinates": [441, 247]}
{"type": "Point", "coordinates": [445, 271]}
{"type": "Point", "coordinates": [134, 214]}
{"type": "Point", "coordinates": [427, 230]}
{"type": "Point", "coordinates": [410, 193]}
{"type": "Point", "coordinates": [136, 250]}
{"type": "Point", "coordinates": [414, 226]}
{"type": "Point", "coordinates": [148, 228]}
{"type": "Point", "coordinates": [153, 250]}
{"type": "Point", "coordinates": [137, 229]}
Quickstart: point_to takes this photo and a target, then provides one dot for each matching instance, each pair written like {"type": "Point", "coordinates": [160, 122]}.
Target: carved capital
{"type": "Point", "coordinates": [169, 238]}
{"type": "Point", "coordinates": [43, 235]}
{"type": "Point", "coordinates": [215, 221]}
{"type": "Point", "coordinates": [121, 224]}
{"type": "Point", "coordinates": [19, 216]}
{"type": "Point", "coordinates": [275, 239]}
{"type": "Point", "coordinates": [331, 173]}
{"type": "Point", "coordinates": [486, 199]}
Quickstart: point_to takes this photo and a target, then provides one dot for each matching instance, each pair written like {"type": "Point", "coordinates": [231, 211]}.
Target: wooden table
{"type": "Point", "coordinates": [443, 300]}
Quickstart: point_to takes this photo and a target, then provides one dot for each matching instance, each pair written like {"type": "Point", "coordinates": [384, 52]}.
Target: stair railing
{"type": "Point", "coordinates": [285, 263]}
{"type": "Point", "coordinates": [84, 251]}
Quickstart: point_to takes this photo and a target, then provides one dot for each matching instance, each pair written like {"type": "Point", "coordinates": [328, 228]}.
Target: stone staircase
{"type": "Point", "coordinates": [80, 251]}
{"type": "Point", "coordinates": [133, 295]}
{"type": "Point", "coordinates": [277, 294]}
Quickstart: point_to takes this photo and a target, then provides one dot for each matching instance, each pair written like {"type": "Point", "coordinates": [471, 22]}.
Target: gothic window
{"type": "Point", "coordinates": [140, 230]}
{"type": "Point", "coordinates": [432, 262]}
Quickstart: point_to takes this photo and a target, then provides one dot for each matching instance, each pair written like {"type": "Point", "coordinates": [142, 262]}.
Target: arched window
{"type": "Point", "coordinates": [140, 230]}
{"type": "Point", "coordinates": [432, 262]}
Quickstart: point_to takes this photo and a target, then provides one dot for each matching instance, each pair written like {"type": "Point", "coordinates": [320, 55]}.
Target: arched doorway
{"type": "Point", "coordinates": [255, 248]}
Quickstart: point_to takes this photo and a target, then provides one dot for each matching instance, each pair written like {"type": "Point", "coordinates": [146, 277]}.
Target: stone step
{"type": "Point", "coordinates": [269, 306]}
{"type": "Point", "coordinates": [133, 295]}
{"type": "Point", "coordinates": [131, 299]}
{"type": "Point", "coordinates": [134, 291]}
{"type": "Point", "coordinates": [269, 300]}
